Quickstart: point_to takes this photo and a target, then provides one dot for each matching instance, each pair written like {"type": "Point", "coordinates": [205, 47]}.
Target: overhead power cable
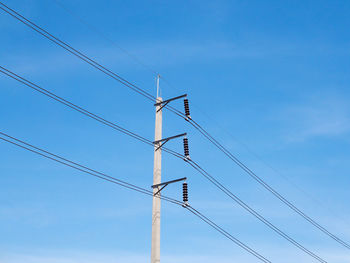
{"type": "Point", "coordinates": [266, 185]}
{"type": "Point", "coordinates": [104, 36]}
{"type": "Point", "coordinates": [225, 233]}
{"type": "Point", "coordinates": [74, 165]}
{"type": "Point", "coordinates": [144, 140]}
{"type": "Point", "coordinates": [192, 122]}
{"type": "Point", "coordinates": [64, 161]}
{"type": "Point", "coordinates": [84, 57]}
{"type": "Point", "coordinates": [253, 212]}
{"type": "Point", "coordinates": [81, 110]}
{"type": "Point", "coordinates": [155, 72]}
{"type": "Point", "coordinates": [73, 51]}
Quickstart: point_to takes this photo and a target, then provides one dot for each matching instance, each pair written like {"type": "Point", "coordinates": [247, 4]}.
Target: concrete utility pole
{"type": "Point", "coordinates": [157, 171]}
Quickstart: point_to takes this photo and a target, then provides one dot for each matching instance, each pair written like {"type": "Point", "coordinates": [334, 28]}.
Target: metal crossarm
{"type": "Point", "coordinates": [165, 184]}
{"type": "Point", "coordinates": [165, 140]}
{"type": "Point", "coordinates": [168, 100]}
{"type": "Point", "coordinates": [165, 102]}
{"type": "Point", "coordinates": [169, 182]}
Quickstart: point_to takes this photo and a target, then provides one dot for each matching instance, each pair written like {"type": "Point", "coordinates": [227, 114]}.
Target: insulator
{"type": "Point", "coordinates": [187, 108]}
{"type": "Point", "coordinates": [186, 149]}
{"type": "Point", "coordinates": [185, 192]}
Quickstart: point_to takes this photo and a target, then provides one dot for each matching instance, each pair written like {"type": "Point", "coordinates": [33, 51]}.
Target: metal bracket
{"type": "Point", "coordinates": [160, 189]}
{"type": "Point", "coordinates": [165, 140]}
{"type": "Point", "coordinates": [165, 184]}
{"type": "Point", "coordinates": [165, 102]}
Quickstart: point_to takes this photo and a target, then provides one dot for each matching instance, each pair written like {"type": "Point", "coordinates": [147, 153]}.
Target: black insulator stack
{"type": "Point", "coordinates": [186, 150]}
{"type": "Point", "coordinates": [187, 108]}
{"type": "Point", "coordinates": [185, 192]}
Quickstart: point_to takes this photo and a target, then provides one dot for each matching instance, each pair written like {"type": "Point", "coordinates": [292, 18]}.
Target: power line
{"type": "Point", "coordinates": [94, 29]}
{"type": "Point", "coordinates": [253, 212]}
{"type": "Point", "coordinates": [81, 110]}
{"type": "Point", "coordinates": [276, 171]}
{"type": "Point", "coordinates": [64, 161]}
{"type": "Point", "coordinates": [85, 112]}
{"type": "Point", "coordinates": [75, 52]}
{"type": "Point", "coordinates": [267, 186]}
{"type": "Point", "coordinates": [225, 233]}
{"type": "Point", "coordinates": [79, 167]}
{"type": "Point", "coordinates": [104, 36]}
{"type": "Point", "coordinates": [192, 122]}
{"type": "Point", "coordinates": [84, 57]}
{"type": "Point", "coordinates": [190, 162]}
{"type": "Point", "coordinates": [155, 72]}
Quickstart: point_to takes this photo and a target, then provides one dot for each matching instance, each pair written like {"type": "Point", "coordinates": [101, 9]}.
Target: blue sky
{"type": "Point", "coordinates": [269, 79]}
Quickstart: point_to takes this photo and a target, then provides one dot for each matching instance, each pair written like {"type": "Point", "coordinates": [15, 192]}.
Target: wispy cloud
{"type": "Point", "coordinates": [325, 116]}
{"type": "Point", "coordinates": [34, 215]}
{"type": "Point", "coordinates": [71, 258]}
{"type": "Point", "coordinates": [155, 54]}
{"type": "Point", "coordinates": [286, 254]}
{"type": "Point", "coordinates": [162, 53]}
{"type": "Point", "coordinates": [42, 216]}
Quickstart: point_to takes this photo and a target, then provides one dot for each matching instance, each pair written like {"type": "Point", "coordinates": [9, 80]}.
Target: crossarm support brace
{"type": "Point", "coordinates": [161, 142]}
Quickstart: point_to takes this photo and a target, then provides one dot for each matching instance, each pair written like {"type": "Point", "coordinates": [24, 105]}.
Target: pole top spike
{"type": "Point", "coordinates": [158, 88]}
